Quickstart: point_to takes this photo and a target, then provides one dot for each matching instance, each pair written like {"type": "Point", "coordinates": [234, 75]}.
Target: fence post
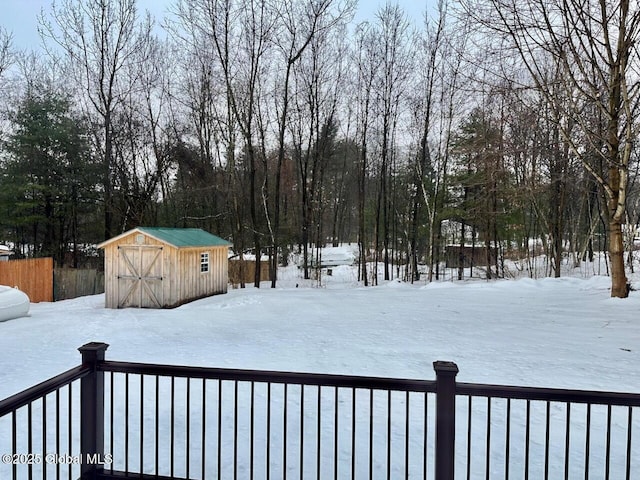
{"type": "Point", "coordinates": [445, 419]}
{"type": "Point", "coordinates": [92, 411]}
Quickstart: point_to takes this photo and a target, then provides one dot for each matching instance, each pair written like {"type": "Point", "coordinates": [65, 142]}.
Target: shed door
{"type": "Point", "coordinates": [140, 276]}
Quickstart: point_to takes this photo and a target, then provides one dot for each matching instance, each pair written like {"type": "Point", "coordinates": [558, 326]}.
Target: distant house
{"type": "Point", "coordinates": [151, 267]}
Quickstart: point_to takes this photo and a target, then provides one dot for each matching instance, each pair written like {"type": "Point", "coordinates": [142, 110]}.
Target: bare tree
{"type": "Point", "coordinates": [301, 24]}
{"type": "Point", "coordinates": [395, 44]}
{"type": "Point", "coordinates": [430, 60]}
{"type": "Point", "coordinates": [100, 39]}
{"type": "Point", "coordinates": [230, 41]}
{"type": "Point", "coordinates": [140, 149]}
{"type": "Point", "coordinates": [6, 53]}
{"type": "Point", "coordinates": [594, 42]}
{"type": "Point", "coordinates": [367, 61]}
{"type": "Point", "coordinates": [443, 92]}
{"type": "Point", "coordinates": [209, 182]}
{"type": "Point", "coordinates": [243, 82]}
{"type": "Point", "coordinates": [6, 59]}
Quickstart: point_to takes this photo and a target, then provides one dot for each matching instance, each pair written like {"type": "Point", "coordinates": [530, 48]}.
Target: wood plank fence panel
{"type": "Point", "coordinates": [249, 268]}
{"type": "Point", "coordinates": [34, 276]}
{"type": "Point", "coordinates": [76, 282]}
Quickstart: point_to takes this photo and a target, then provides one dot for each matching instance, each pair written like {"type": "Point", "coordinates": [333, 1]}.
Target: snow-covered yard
{"type": "Point", "coordinates": [551, 332]}
{"type": "Point", "coordinates": [564, 333]}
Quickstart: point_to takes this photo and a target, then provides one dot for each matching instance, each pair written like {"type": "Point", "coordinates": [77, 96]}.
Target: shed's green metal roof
{"type": "Point", "coordinates": [185, 237]}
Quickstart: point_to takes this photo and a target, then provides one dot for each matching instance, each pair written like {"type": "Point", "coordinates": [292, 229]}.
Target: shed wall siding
{"type": "Point", "coordinates": [196, 284]}
{"type": "Point", "coordinates": [110, 277]}
{"type": "Point", "coordinates": [172, 280]}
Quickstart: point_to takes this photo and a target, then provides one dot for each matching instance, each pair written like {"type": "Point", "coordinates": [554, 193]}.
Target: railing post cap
{"type": "Point", "coordinates": [93, 347]}
{"type": "Point", "coordinates": [93, 352]}
{"type": "Point", "coordinates": [445, 368]}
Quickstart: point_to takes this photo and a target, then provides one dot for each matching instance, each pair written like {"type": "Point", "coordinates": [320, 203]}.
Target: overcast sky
{"type": "Point", "coordinates": [20, 16]}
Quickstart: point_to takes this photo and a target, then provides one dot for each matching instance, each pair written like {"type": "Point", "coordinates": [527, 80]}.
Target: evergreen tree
{"type": "Point", "coordinates": [480, 182]}
{"type": "Point", "coordinates": [47, 179]}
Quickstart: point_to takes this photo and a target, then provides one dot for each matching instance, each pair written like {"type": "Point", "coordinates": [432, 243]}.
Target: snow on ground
{"type": "Point", "coordinates": [563, 332]}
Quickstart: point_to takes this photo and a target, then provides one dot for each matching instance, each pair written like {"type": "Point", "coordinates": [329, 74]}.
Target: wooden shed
{"type": "Point", "coordinates": [163, 267]}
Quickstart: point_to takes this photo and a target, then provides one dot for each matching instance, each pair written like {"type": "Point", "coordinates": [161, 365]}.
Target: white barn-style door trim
{"type": "Point", "coordinates": [140, 276]}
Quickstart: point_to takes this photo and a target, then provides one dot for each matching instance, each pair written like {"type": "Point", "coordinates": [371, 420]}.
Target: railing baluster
{"type": "Point", "coordinates": [58, 429]}
{"type": "Point", "coordinates": [284, 435]}
{"type": "Point", "coordinates": [219, 429]}
{"type": "Point", "coordinates": [30, 437]}
{"type": "Point", "coordinates": [425, 436]}
{"type": "Point", "coordinates": [70, 439]}
{"type": "Point", "coordinates": [172, 426]}
{"type": "Point", "coordinates": [353, 433]}
{"type": "Point", "coordinates": [111, 419]}
{"type": "Point", "coordinates": [587, 442]}
{"type": "Point", "coordinates": [567, 444]}
{"type": "Point", "coordinates": [268, 452]}
{"type": "Point", "coordinates": [469, 436]}
{"type": "Point", "coordinates": [252, 431]}
{"type": "Point", "coordinates": [301, 472]}
{"type": "Point", "coordinates": [157, 427]}
{"type": "Point", "coordinates": [14, 442]}
{"type": "Point", "coordinates": [527, 441]}
{"type": "Point", "coordinates": [388, 434]}
{"type": "Point", "coordinates": [629, 428]}
{"type": "Point", "coordinates": [188, 429]}
{"type": "Point", "coordinates": [406, 436]}
{"type": "Point", "coordinates": [335, 432]}
{"type": "Point", "coordinates": [319, 430]}
{"type": "Point", "coordinates": [370, 434]}
{"type": "Point", "coordinates": [488, 441]}
{"type": "Point", "coordinates": [547, 440]}
{"type": "Point", "coordinates": [608, 447]}
{"type": "Point", "coordinates": [507, 441]}
{"type": "Point", "coordinates": [44, 436]}
{"type": "Point", "coordinates": [204, 429]}
{"type": "Point", "coordinates": [235, 430]}
{"type": "Point", "coordinates": [126, 423]}
{"type": "Point", "coordinates": [142, 426]}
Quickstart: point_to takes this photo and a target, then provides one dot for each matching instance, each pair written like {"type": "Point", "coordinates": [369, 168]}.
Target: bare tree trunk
{"type": "Point", "coordinates": [619, 284]}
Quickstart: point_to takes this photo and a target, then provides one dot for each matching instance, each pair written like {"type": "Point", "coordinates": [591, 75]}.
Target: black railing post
{"type": "Point", "coordinates": [445, 419]}
{"type": "Point", "coordinates": [92, 411]}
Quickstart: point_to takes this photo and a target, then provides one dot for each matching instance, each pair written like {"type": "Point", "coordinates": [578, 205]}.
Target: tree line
{"type": "Point", "coordinates": [286, 126]}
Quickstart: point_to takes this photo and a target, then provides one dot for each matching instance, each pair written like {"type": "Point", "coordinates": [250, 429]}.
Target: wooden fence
{"type": "Point", "coordinates": [76, 282]}
{"type": "Point", "coordinates": [42, 283]}
{"type": "Point", "coordinates": [34, 276]}
{"type": "Point", "coordinates": [249, 268]}
{"type": "Point", "coordinates": [467, 257]}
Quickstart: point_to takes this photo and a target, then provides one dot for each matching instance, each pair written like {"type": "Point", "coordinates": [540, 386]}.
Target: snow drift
{"type": "Point", "coordinates": [13, 303]}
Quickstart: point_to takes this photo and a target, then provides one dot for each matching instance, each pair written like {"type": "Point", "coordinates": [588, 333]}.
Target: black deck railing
{"type": "Point", "coordinates": [565, 434]}
{"type": "Point", "coordinates": [265, 424]}
{"type": "Point", "coordinates": [171, 422]}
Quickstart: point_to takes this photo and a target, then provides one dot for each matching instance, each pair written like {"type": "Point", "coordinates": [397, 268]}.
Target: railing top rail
{"type": "Point", "coordinates": [266, 376]}
{"type": "Point", "coordinates": [549, 394]}
{"type": "Point", "coordinates": [23, 398]}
